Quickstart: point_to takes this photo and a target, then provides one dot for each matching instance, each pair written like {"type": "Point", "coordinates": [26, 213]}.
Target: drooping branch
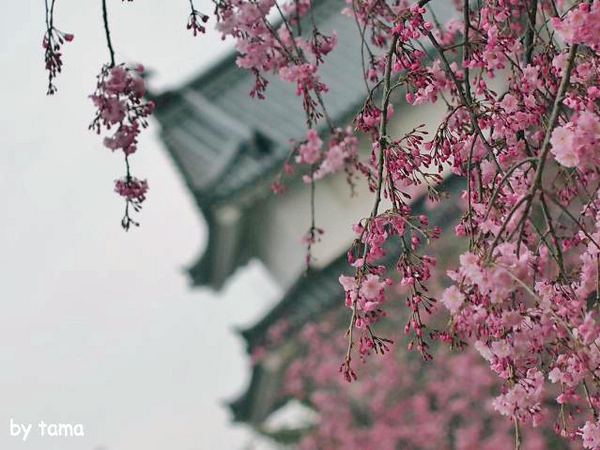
{"type": "Point", "coordinates": [111, 51]}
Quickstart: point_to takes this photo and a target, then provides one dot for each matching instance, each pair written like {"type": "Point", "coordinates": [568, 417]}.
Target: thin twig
{"type": "Point", "coordinates": [107, 32]}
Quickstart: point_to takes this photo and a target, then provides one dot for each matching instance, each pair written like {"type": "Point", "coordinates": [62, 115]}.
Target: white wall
{"type": "Point", "coordinates": [287, 216]}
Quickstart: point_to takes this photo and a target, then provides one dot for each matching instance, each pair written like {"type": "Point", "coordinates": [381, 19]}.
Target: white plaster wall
{"type": "Point", "coordinates": [287, 216]}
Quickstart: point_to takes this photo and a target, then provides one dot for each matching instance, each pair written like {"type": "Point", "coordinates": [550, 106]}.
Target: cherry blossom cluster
{"type": "Point", "coordinates": [119, 102]}
{"type": "Point", "coordinates": [120, 106]}
{"type": "Point", "coordinates": [309, 152]}
{"type": "Point", "coordinates": [576, 143]}
{"type": "Point", "coordinates": [268, 48]}
{"type": "Point", "coordinates": [365, 291]}
{"type": "Point", "coordinates": [341, 154]}
{"type": "Point", "coordinates": [196, 21]}
{"type": "Point", "coordinates": [368, 297]}
{"type": "Point", "coordinates": [132, 189]}
{"type": "Point", "coordinates": [579, 25]}
{"type": "Point", "coordinates": [524, 294]}
{"type": "Point", "coordinates": [52, 42]}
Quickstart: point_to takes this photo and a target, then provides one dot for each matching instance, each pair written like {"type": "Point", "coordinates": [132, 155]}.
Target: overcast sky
{"type": "Point", "coordinates": [98, 326]}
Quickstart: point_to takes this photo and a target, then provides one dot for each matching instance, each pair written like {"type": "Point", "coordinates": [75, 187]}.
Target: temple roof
{"type": "Point", "coordinates": [228, 145]}
{"type": "Point", "coordinates": [223, 140]}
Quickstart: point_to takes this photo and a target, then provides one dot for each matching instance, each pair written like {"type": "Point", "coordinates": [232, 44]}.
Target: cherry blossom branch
{"type": "Point", "coordinates": [52, 42]}
{"type": "Point", "coordinates": [462, 95]}
{"type": "Point", "coordinates": [544, 150]}
{"type": "Point", "coordinates": [496, 240]}
{"type": "Point", "coordinates": [107, 33]}
{"type": "Point", "coordinates": [509, 172]}
{"type": "Point", "coordinates": [383, 124]}
{"type": "Point", "coordinates": [530, 34]}
{"type": "Point", "coordinates": [552, 122]}
{"type": "Point", "coordinates": [552, 232]}
{"type": "Point", "coordinates": [573, 218]}
{"type": "Point", "coordinates": [518, 441]}
{"type": "Point", "coordinates": [196, 20]}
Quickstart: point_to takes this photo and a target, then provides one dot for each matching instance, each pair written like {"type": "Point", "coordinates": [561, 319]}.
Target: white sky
{"type": "Point", "coordinates": [98, 326]}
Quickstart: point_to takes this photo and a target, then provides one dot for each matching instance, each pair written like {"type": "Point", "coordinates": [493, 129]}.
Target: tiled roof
{"type": "Point", "coordinates": [224, 140]}
{"type": "Point", "coordinates": [228, 145]}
